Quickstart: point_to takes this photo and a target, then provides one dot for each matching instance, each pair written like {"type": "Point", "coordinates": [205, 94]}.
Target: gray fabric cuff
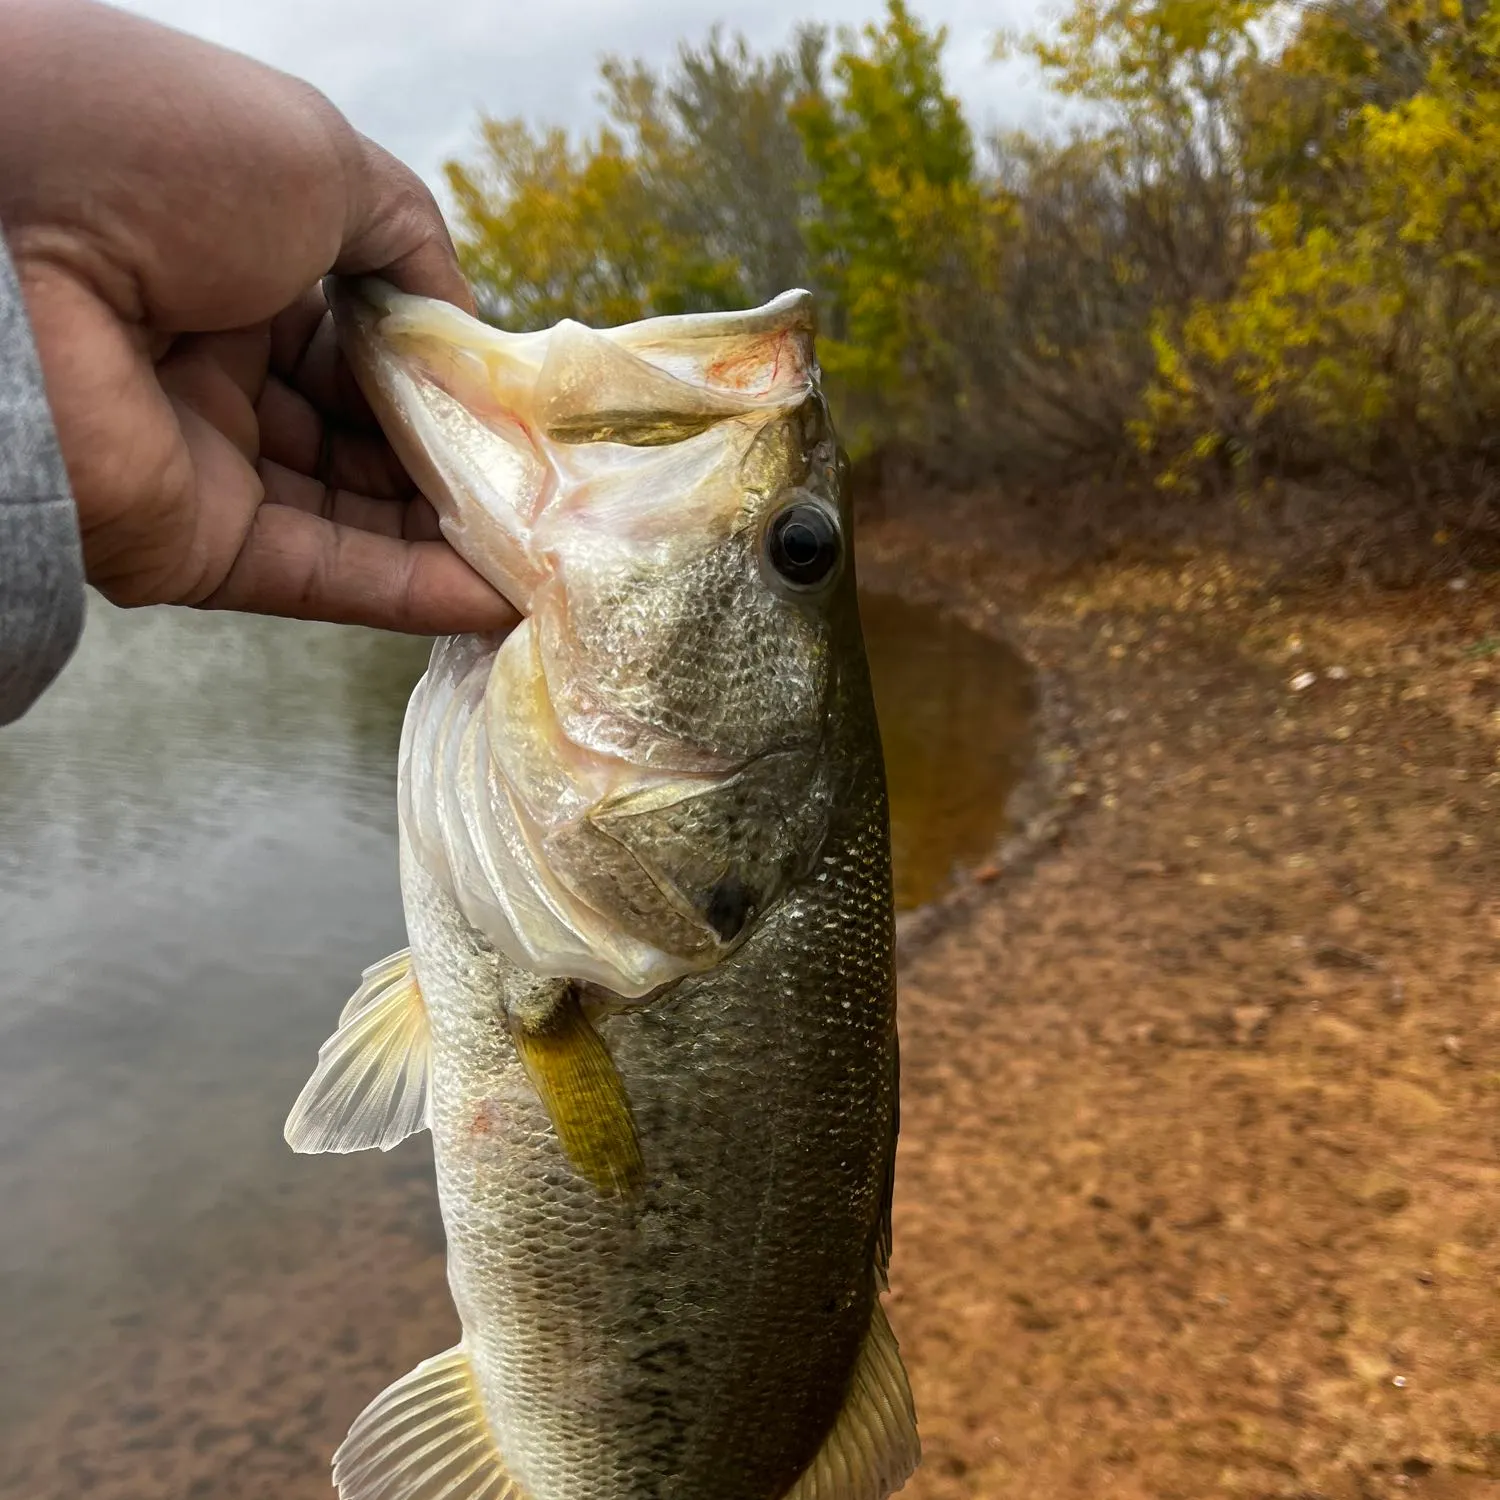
{"type": "Point", "coordinates": [41, 562]}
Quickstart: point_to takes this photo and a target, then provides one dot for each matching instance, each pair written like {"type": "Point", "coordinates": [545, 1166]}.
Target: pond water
{"type": "Point", "coordinates": [955, 708]}
{"type": "Point", "coordinates": [196, 861]}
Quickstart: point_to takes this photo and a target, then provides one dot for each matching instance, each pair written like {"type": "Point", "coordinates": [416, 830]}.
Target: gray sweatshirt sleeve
{"type": "Point", "coordinates": [41, 564]}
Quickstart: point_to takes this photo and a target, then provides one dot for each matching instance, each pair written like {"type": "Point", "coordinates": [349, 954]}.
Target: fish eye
{"type": "Point", "coordinates": [803, 545]}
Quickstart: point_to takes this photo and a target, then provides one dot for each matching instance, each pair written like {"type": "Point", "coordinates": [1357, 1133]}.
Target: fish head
{"type": "Point", "coordinates": [620, 790]}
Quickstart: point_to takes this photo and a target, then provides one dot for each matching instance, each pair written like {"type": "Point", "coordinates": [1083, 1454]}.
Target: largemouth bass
{"type": "Point", "coordinates": [648, 1008]}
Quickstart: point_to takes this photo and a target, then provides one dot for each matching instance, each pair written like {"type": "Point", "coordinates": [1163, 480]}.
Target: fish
{"type": "Point", "coordinates": [647, 1010]}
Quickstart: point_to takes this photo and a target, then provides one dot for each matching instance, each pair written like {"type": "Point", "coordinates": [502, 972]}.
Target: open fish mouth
{"type": "Point", "coordinates": [500, 429]}
{"type": "Point", "coordinates": [619, 789]}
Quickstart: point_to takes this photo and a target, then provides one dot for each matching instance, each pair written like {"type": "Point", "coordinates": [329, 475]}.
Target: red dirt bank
{"type": "Point", "coordinates": [1199, 1192]}
{"type": "Point", "coordinates": [1199, 1189]}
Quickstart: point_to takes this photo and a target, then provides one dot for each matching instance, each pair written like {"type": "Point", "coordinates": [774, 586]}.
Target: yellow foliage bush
{"type": "Point", "coordinates": [1364, 330]}
{"type": "Point", "coordinates": [1272, 244]}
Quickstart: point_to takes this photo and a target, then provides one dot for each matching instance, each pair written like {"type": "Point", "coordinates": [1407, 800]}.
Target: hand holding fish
{"type": "Point", "coordinates": [171, 208]}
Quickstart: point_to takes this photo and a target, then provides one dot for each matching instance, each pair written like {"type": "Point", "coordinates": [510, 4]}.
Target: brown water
{"type": "Point", "coordinates": [196, 860]}
{"type": "Point", "coordinates": [954, 710]}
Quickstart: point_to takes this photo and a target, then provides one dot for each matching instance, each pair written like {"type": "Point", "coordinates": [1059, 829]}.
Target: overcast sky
{"type": "Point", "coordinates": [415, 74]}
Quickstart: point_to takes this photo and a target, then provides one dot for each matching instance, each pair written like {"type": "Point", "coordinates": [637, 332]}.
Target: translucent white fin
{"type": "Point", "coordinates": [873, 1448]}
{"type": "Point", "coordinates": [424, 1438]}
{"type": "Point", "coordinates": [370, 1085]}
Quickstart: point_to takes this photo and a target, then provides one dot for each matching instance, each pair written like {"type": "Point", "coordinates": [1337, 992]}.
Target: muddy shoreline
{"type": "Point", "coordinates": [1199, 1192]}
{"type": "Point", "coordinates": [1038, 805]}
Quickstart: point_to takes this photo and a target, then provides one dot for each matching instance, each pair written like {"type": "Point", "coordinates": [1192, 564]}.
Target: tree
{"type": "Point", "coordinates": [1365, 330]}
{"type": "Point", "coordinates": [546, 232]}
{"type": "Point", "coordinates": [690, 198]}
{"type": "Point", "coordinates": [903, 222]}
{"type": "Point", "coordinates": [724, 162]}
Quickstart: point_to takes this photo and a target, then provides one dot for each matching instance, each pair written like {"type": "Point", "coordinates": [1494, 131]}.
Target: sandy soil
{"type": "Point", "coordinates": [1199, 1190]}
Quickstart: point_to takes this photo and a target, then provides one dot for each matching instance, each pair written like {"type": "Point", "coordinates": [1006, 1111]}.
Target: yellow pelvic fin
{"type": "Point", "coordinates": [572, 1071]}
{"type": "Point", "coordinates": [370, 1085]}
{"type": "Point", "coordinates": [872, 1448]}
{"type": "Point", "coordinates": [425, 1438]}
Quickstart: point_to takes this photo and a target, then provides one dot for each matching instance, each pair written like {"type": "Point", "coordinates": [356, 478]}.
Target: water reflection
{"type": "Point", "coordinates": [195, 855]}
{"type": "Point", "coordinates": [196, 861]}
{"type": "Point", "coordinates": [955, 709]}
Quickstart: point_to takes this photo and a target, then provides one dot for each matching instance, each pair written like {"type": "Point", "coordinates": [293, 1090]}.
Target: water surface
{"type": "Point", "coordinates": [955, 708]}
{"type": "Point", "coordinates": [196, 861]}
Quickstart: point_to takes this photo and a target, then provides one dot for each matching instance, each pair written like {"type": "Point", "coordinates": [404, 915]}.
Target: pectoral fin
{"type": "Point", "coordinates": [872, 1448]}
{"type": "Point", "coordinates": [370, 1085]}
{"type": "Point", "coordinates": [425, 1438]}
{"type": "Point", "coordinates": [572, 1071]}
